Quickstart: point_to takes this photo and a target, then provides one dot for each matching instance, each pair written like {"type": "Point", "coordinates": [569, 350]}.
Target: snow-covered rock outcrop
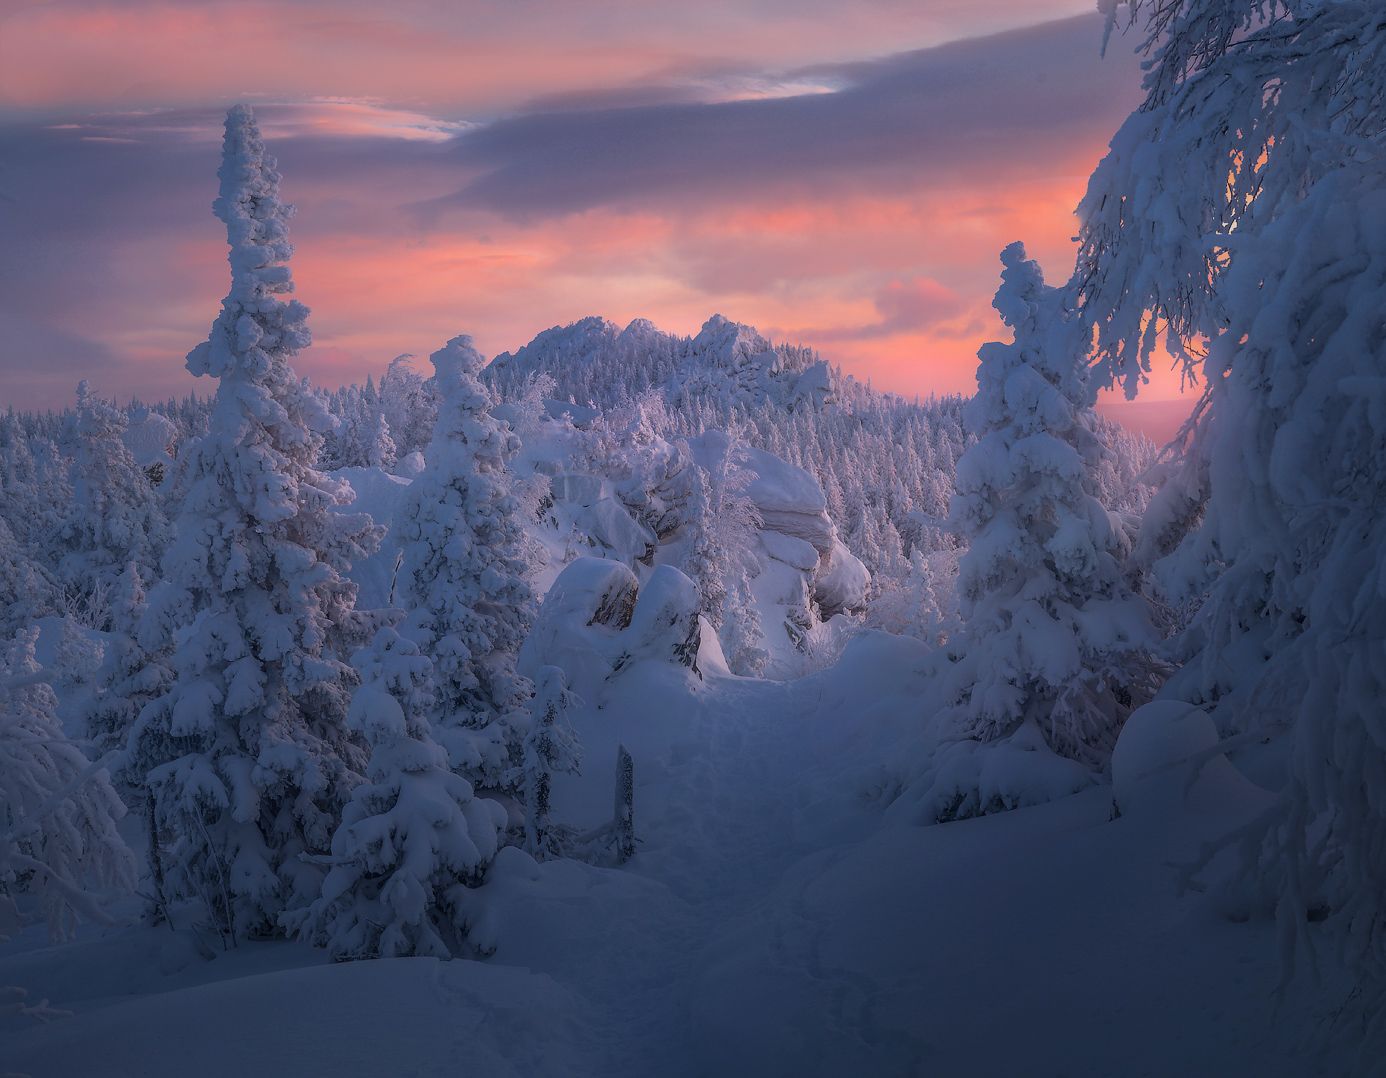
{"type": "Point", "coordinates": [598, 620]}
{"type": "Point", "coordinates": [795, 521]}
{"type": "Point", "coordinates": [733, 357]}
{"type": "Point", "coordinates": [596, 362]}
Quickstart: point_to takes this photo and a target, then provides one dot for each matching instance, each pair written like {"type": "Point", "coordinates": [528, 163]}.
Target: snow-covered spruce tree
{"type": "Point", "coordinates": [1243, 209]}
{"type": "Point", "coordinates": [58, 813]}
{"type": "Point", "coordinates": [380, 447]}
{"type": "Point", "coordinates": [550, 748]}
{"type": "Point", "coordinates": [413, 837]}
{"type": "Point", "coordinates": [27, 590]}
{"type": "Point", "coordinates": [128, 677]}
{"type": "Point", "coordinates": [35, 487]}
{"type": "Point", "coordinates": [707, 558]}
{"type": "Point", "coordinates": [465, 574]}
{"type": "Point", "coordinates": [408, 406]}
{"type": "Point", "coordinates": [721, 556]}
{"type": "Point", "coordinates": [114, 517]}
{"type": "Point", "coordinates": [923, 604]}
{"type": "Point", "coordinates": [1051, 635]}
{"type": "Point", "coordinates": [248, 755]}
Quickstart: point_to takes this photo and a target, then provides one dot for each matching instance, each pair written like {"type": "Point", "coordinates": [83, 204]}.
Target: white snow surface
{"type": "Point", "coordinates": [774, 921]}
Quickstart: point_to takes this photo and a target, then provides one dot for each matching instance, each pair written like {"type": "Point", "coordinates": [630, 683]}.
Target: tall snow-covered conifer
{"type": "Point", "coordinates": [248, 755]}
{"type": "Point", "coordinates": [466, 574]}
{"type": "Point", "coordinates": [1052, 636]}
{"type": "Point", "coordinates": [1242, 209]}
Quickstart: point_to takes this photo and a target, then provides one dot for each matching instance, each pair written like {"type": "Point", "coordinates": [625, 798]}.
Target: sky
{"type": "Point", "coordinates": [838, 177]}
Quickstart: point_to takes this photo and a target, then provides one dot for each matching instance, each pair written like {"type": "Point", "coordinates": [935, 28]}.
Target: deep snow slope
{"type": "Point", "coordinates": [777, 920]}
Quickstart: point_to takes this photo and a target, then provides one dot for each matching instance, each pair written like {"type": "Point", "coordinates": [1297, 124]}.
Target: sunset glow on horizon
{"type": "Point", "coordinates": [844, 186]}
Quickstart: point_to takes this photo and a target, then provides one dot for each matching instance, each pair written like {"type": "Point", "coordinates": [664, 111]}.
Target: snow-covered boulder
{"type": "Point", "coordinates": [590, 591]}
{"type": "Point", "coordinates": [788, 499]}
{"type": "Point", "coordinates": [841, 583]}
{"type": "Point", "coordinates": [579, 415]}
{"type": "Point", "coordinates": [1167, 760]}
{"type": "Point", "coordinates": [586, 606]}
{"type": "Point", "coordinates": [665, 624]}
{"type": "Point", "coordinates": [409, 465]}
{"type": "Point", "coordinates": [795, 527]}
{"type": "Point", "coordinates": [597, 620]}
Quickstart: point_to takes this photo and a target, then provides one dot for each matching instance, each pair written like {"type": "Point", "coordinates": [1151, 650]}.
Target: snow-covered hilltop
{"type": "Point", "coordinates": [595, 362]}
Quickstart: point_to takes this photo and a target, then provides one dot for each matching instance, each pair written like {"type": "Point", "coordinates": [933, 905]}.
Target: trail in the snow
{"type": "Point", "coordinates": [722, 830]}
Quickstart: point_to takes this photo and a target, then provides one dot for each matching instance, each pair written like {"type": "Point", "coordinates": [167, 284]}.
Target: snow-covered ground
{"type": "Point", "coordinates": [779, 919]}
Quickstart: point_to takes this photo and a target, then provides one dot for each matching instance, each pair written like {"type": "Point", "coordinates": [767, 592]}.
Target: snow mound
{"type": "Point", "coordinates": [979, 778]}
{"type": "Point", "coordinates": [593, 508]}
{"type": "Point", "coordinates": [1167, 760]}
{"type": "Point", "coordinates": [410, 465]}
{"type": "Point", "coordinates": [794, 514]}
{"type": "Point", "coordinates": [319, 1020]}
{"type": "Point", "coordinates": [789, 500]}
{"type": "Point", "coordinates": [591, 600]}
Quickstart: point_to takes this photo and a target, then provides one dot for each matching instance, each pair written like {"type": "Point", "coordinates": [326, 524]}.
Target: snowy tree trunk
{"type": "Point", "coordinates": [625, 805]}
